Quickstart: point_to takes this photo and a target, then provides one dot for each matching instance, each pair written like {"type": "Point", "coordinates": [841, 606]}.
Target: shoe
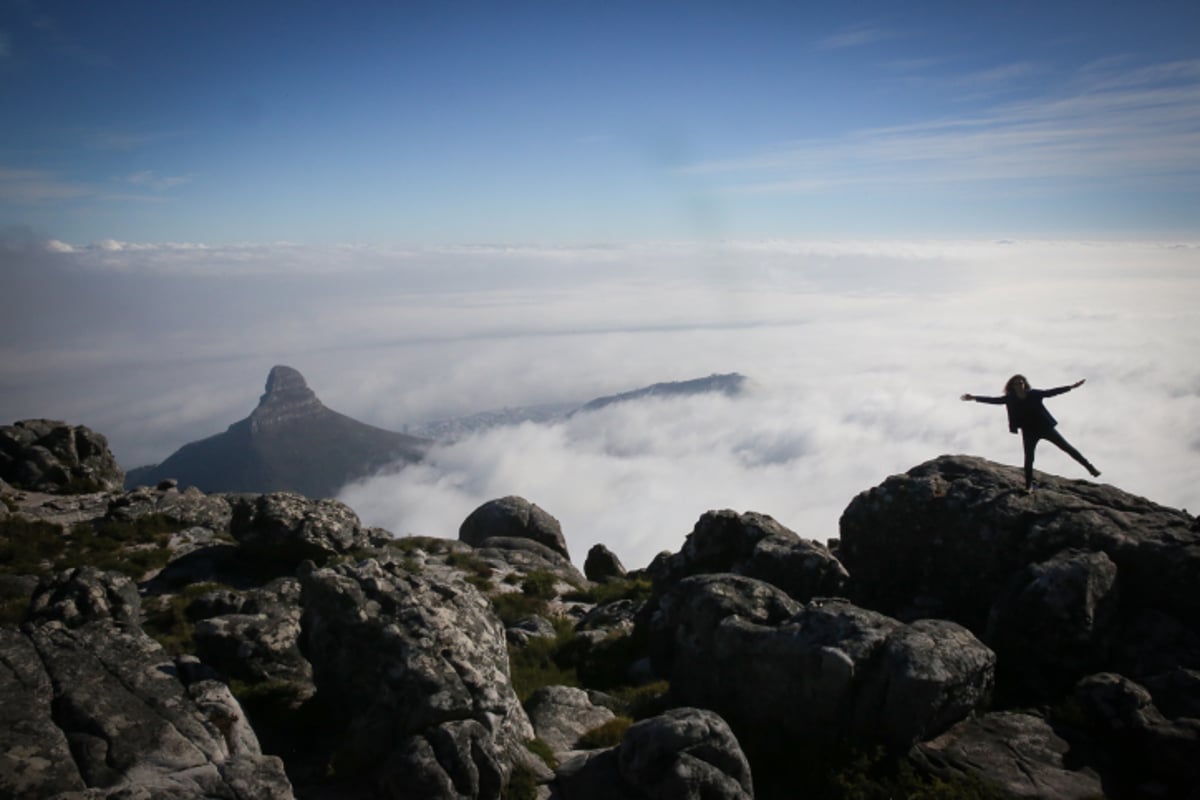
{"type": "Point", "coordinates": [1095, 472]}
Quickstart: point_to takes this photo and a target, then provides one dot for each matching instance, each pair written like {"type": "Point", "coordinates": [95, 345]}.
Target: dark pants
{"type": "Point", "coordinates": [1030, 439]}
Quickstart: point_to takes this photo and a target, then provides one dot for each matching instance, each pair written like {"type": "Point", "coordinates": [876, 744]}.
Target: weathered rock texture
{"type": "Point", "coordinates": [562, 714]}
{"type": "Point", "coordinates": [685, 754]}
{"type": "Point", "coordinates": [757, 546]}
{"type": "Point", "coordinates": [288, 527]}
{"type": "Point", "coordinates": [1018, 752]}
{"type": "Point", "coordinates": [807, 672]}
{"type": "Point", "coordinates": [101, 707]}
{"type": "Point", "coordinates": [49, 456]}
{"type": "Point", "coordinates": [418, 670]}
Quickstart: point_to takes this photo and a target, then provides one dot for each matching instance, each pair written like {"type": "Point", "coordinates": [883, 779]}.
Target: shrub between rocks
{"type": "Point", "coordinates": [31, 547]}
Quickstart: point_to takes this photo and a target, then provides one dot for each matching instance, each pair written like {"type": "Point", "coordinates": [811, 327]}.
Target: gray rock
{"type": "Point", "coordinates": [619, 616]}
{"type": "Point", "coordinates": [562, 714]}
{"type": "Point", "coordinates": [1018, 753]}
{"type": "Point", "coordinates": [254, 636]}
{"type": "Point", "coordinates": [399, 654]}
{"type": "Point", "coordinates": [1054, 623]}
{"type": "Point", "coordinates": [602, 565]}
{"type": "Point", "coordinates": [287, 527]}
{"type": "Point", "coordinates": [513, 517]}
{"type": "Point", "coordinates": [944, 539]}
{"type": "Point", "coordinates": [685, 754]}
{"type": "Point", "coordinates": [35, 757]}
{"type": "Point", "coordinates": [535, 627]}
{"type": "Point", "coordinates": [525, 555]}
{"type": "Point", "coordinates": [85, 594]}
{"type": "Point", "coordinates": [825, 669]}
{"type": "Point", "coordinates": [757, 546]}
{"type": "Point", "coordinates": [50, 456]}
{"type": "Point", "coordinates": [1141, 750]}
{"type": "Point", "coordinates": [117, 702]}
{"type": "Point", "coordinates": [451, 760]}
{"type": "Point", "coordinates": [186, 509]}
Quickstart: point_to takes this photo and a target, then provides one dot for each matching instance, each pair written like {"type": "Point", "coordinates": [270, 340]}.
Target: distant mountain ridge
{"type": "Point", "coordinates": [291, 441]}
{"type": "Point", "coordinates": [728, 384]}
{"type": "Point", "coordinates": [455, 428]}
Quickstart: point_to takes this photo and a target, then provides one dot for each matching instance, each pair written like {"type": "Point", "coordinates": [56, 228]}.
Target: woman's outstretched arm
{"type": "Point", "coordinates": [996, 401]}
{"type": "Point", "coordinates": [1061, 389]}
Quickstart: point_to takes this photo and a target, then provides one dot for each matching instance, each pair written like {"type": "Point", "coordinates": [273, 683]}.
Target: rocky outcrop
{"type": "Point", "coordinates": [562, 714]}
{"type": "Point", "coordinates": [288, 527]}
{"type": "Point", "coordinates": [1055, 621]}
{"type": "Point", "coordinates": [602, 565]}
{"type": "Point", "coordinates": [757, 546]}
{"type": "Point", "coordinates": [513, 518]}
{"type": "Point", "coordinates": [290, 442]}
{"type": "Point", "coordinates": [49, 456]}
{"type": "Point", "coordinates": [1073, 579]}
{"type": "Point", "coordinates": [254, 636]}
{"type": "Point", "coordinates": [103, 708]}
{"type": "Point", "coordinates": [808, 672]}
{"type": "Point", "coordinates": [944, 538]}
{"type": "Point", "coordinates": [684, 754]}
{"type": "Point", "coordinates": [185, 509]}
{"type": "Point", "coordinates": [418, 670]}
{"type": "Point", "coordinates": [1018, 753]}
{"type": "Point", "coordinates": [380, 668]}
{"type": "Point", "coordinates": [1144, 753]}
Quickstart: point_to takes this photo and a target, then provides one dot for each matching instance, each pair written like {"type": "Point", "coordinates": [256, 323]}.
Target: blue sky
{"type": "Point", "coordinates": [569, 122]}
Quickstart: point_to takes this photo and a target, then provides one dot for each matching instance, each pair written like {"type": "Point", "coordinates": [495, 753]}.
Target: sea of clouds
{"type": "Point", "coordinates": [856, 354]}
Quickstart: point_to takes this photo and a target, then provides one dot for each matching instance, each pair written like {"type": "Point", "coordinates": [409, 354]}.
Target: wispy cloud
{"type": "Point", "coordinates": [857, 36]}
{"type": "Point", "coordinates": [24, 187]}
{"type": "Point", "coordinates": [152, 180]}
{"type": "Point", "coordinates": [1134, 125]}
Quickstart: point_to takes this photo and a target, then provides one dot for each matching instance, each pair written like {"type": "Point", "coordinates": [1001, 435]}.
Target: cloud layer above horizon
{"type": "Point", "coordinates": [857, 353]}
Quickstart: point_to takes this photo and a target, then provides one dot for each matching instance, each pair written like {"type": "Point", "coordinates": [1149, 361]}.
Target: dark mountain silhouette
{"type": "Point", "coordinates": [729, 384]}
{"type": "Point", "coordinates": [291, 441]}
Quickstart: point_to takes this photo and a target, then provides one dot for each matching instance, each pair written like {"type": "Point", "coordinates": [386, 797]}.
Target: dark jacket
{"type": "Point", "coordinates": [1027, 412]}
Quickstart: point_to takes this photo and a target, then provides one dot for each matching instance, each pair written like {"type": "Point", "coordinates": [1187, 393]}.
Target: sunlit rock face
{"type": "Point", "coordinates": [290, 442]}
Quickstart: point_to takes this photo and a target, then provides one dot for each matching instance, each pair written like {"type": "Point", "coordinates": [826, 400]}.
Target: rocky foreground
{"type": "Point", "coordinates": [960, 639]}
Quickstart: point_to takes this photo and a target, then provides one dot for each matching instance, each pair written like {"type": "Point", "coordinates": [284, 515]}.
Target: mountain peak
{"type": "Point", "coordinates": [291, 441]}
{"type": "Point", "coordinates": [286, 384]}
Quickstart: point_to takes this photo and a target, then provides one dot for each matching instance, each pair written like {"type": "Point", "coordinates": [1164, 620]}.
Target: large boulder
{"type": "Point", "coordinates": [516, 518]}
{"type": "Point", "coordinates": [50, 456]}
{"type": "Point", "coordinates": [602, 565]}
{"type": "Point", "coordinates": [288, 528]}
{"type": "Point", "coordinates": [1072, 579]}
{"type": "Point", "coordinates": [562, 714]}
{"type": "Point", "coordinates": [685, 754]}
{"type": "Point", "coordinates": [417, 668]}
{"type": "Point", "coordinates": [1139, 749]}
{"type": "Point", "coordinates": [1054, 622]}
{"type": "Point", "coordinates": [96, 687]}
{"type": "Point", "coordinates": [757, 546]}
{"type": "Point", "coordinates": [1017, 752]}
{"type": "Point", "coordinates": [817, 671]}
{"type": "Point", "coordinates": [945, 538]}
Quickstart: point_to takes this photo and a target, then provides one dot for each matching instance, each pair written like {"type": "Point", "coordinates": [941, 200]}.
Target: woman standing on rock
{"type": "Point", "coordinates": [1026, 412]}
